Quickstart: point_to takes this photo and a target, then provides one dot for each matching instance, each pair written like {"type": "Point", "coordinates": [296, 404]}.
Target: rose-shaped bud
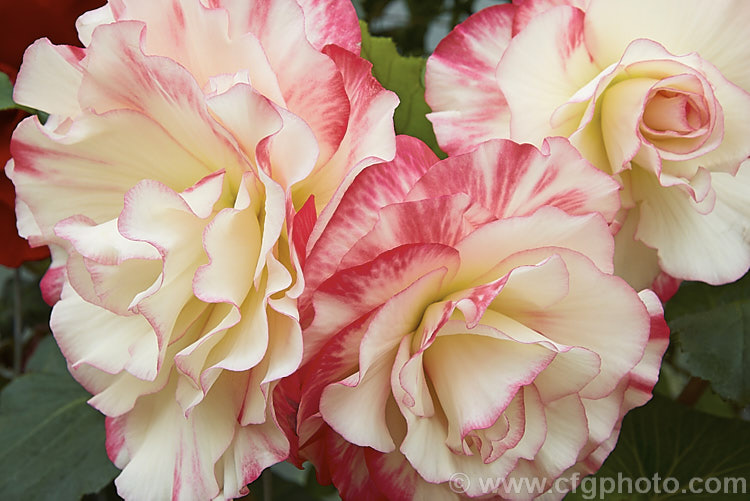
{"type": "Point", "coordinates": [176, 181]}
{"type": "Point", "coordinates": [657, 94]}
{"type": "Point", "coordinates": [464, 320]}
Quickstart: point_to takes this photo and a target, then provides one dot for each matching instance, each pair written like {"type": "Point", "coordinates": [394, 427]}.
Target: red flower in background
{"type": "Point", "coordinates": [20, 24]}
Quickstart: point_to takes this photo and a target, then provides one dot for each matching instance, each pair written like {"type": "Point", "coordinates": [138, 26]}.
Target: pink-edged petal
{"type": "Point", "coordinates": [543, 67]}
{"type": "Point", "coordinates": [280, 27]}
{"type": "Point", "coordinates": [44, 62]}
{"type": "Point", "coordinates": [510, 180]}
{"type": "Point", "coordinates": [119, 75]}
{"type": "Point", "coordinates": [490, 244]}
{"type": "Point", "coordinates": [353, 211]}
{"type": "Point", "coordinates": [371, 110]}
{"type": "Point", "coordinates": [89, 21]}
{"type": "Point", "coordinates": [93, 165]}
{"type": "Point", "coordinates": [129, 343]}
{"type": "Point", "coordinates": [586, 318]}
{"type": "Point", "coordinates": [353, 292]}
{"type": "Point", "coordinates": [331, 22]}
{"type": "Point", "coordinates": [248, 115]}
{"type": "Point", "coordinates": [460, 82]}
{"type": "Point", "coordinates": [681, 26]}
{"type": "Point", "coordinates": [171, 456]}
{"type": "Point", "coordinates": [475, 378]}
{"type": "Point", "coordinates": [710, 247]}
{"type": "Point", "coordinates": [289, 155]}
{"type": "Point", "coordinates": [369, 394]}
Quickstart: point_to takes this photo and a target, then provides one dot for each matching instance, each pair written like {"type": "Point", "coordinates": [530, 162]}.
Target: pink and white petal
{"type": "Point", "coordinates": [248, 115]}
{"type": "Point", "coordinates": [681, 26]}
{"type": "Point", "coordinates": [280, 27]}
{"type": "Point", "coordinates": [543, 67]}
{"type": "Point", "coordinates": [490, 244]}
{"type": "Point", "coordinates": [587, 318]}
{"type": "Point", "coordinates": [441, 220]}
{"type": "Point", "coordinates": [289, 155]}
{"type": "Point", "coordinates": [353, 292]}
{"type": "Point", "coordinates": [709, 247]}
{"type": "Point", "coordinates": [511, 179]}
{"type": "Point", "coordinates": [461, 87]}
{"type": "Point", "coordinates": [253, 449]}
{"type": "Point", "coordinates": [354, 209]}
{"type": "Point", "coordinates": [367, 395]}
{"type": "Point", "coordinates": [89, 21]}
{"type": "Point", "coordinates": [371, 110]}
{"type": "Point", "coordinates": [128, 343]}
{"type": "Point", "coordinates": [476, 377]}
{"type": "Point", "coordinates": [232, 242]}
{"type": "Point", "coordinates": [348, 469]}
{"type": "Point", "coordinates": [90, 168]}
{"type": "Point", "coordinates": [44, 63]}
{"type": "Point", "coordinates": [157, 425]}
{"type": "Point", "coordinates": [526, 10]}
{"type": "Point", "coordinates": [332, 22]}
{"type": "Point", "coordinates": [119, 75]}
{"type": "Point", "coordinates": [644, 376]}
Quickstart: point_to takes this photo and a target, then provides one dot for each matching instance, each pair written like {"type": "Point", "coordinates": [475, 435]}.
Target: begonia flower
{"type": "Point", "coordinates": [461, 318]}
{"type": "Point", "coordinates": [186, 149]}
{"type": "Point", "coordinates": [656, 94]}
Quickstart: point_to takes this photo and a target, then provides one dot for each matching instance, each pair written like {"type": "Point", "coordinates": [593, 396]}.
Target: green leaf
{"type": "Point", "coordinates": [711, 330]}
{"type": "Point", "coordinates": [6, 92]}
{"type": "Point", "coordinates": [51, 440]}
{"type": "Point", "coordinates": [672, 441]}
{"type": "Point", "coordinates": [405, 77]}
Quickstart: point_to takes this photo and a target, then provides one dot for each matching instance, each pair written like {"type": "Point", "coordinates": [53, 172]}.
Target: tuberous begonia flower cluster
{"type": "Point", "coordinates": [656, 94]}
{"type": "Point", "coordinates": [249, 266]}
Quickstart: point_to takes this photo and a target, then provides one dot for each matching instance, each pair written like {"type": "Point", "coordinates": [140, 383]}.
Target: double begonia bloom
{"type": "Point", "coordinates": [186, 148]}
{"type": "Point", "coordinates": [657, 94]}
{"type": "Point", "coordinates": [461, 318]}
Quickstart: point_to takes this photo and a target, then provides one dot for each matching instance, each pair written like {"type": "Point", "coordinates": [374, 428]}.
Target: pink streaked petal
{"type": "Point", "coordinates": [331, 22]}
{"type": "Point", "coordinates": [348, 469]}
{"type": "Point", "coordinates": [157, 425]}
{"type": "Point", "coordinates": [119, 75]}
{"type": "Point", "coordinates": [89, 21]}
{"type": "Point", "coordinates": [544, 65]}
{"type": "Point", "coordinates": [97, 161]}
{"type": "Point", "coordinates": [353, 292]}
{"type": "Point", "coordinates": [254, 448]}
{"type": "Point", "coordinates": [526, 10]}
{"type": "Point", "coordinates": [441, 220]}
{"type": "Point", "coordinates": [301, 228]}
{"type": "Point", "coordinates": [461, 87]}
{"type": "Point", "coordinates": [511, 179]}
{"type": "Point", "coordinates": [280, 27]}
{"type": "Point", "coordinates": [371, 110]}
{"type": "Point", "coordinates": [44, 62]}
{"type": "Point", "coordinates": [354, 210]}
